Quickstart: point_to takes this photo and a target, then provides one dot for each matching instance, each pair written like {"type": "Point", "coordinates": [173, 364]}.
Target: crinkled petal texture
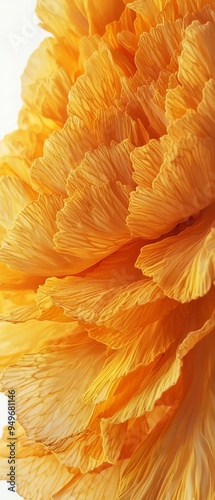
{"type": "Point", "coordinates": [107, 257]}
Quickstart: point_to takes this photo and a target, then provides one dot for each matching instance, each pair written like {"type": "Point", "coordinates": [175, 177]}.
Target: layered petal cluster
{"type": "Point", "coordinates": [107, 258]}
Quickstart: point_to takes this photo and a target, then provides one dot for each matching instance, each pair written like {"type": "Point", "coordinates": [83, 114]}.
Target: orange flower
{"type": "Point", "coordinates": [107, 255]}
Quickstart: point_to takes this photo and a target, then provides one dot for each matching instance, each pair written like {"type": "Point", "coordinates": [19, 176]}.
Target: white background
{"type": "Point", "coordinates": [19, 36]}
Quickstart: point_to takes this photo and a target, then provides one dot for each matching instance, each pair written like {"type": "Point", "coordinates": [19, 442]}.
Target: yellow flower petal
{"type": "Point", "coordinates": [106, 163]}
{"type": "Point", "coordinates": [15, 166]}
{"type": "Point", "coordinates": [116, 285]}
{"type": "Point", "coordinates": [63, 151]}
{"type": "Point", "coordinates": [15, 305]}
{"type": "Point", "coordinates": [36, 241]}
{"type": "Point", "coordinates": [155, 339]}
{"type": "Point", "coordinates": [154, 380]}
{"type": "Point", "coordinates": [196, 65]}
{"type": "Point", "coordinates": [29, 337]}
{"type": "Point", "coordinates": [101, 485]}
{"type": "Point", "coordinates": [40, 475]}
{"type": "Point", "coordinates": [83, 451]}
{"type": "Point", "coordinates": [14, 196]}
{"type": "Point", "coordinates": [92, 224]}
{"type": "Point", "coordinates": [85, 99]}
{"type": "Point", "coordinates": [113, 437]}
{"type": "Point", "coordinates": [50, 386]}
{"type": "Point", "coordinates": [160, 468]}
{"type": "Point", "coordinates": [44, 82]}
{"type": "Point", "coordinates": [150, 60]}
{"type": "Point", "coordinates": [182, 188]}
{"type": "Point", "coordinates": [127, 308]}
{"type": "Point", "coordinates": [146, 162]}
{"type": "Point", "coordinates": [199, 122]}
{"type": "Point", "coordinates": [183, 265]}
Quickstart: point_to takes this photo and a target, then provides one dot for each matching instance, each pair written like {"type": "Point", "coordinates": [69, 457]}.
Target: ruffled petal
{"type": "Point", "coordinates": [40, 474]}
{"type": "Point", "coordinates": [98, 485]}
{"type": "Point", "coordinates": [196, 64]}
{"type": "Point", "coordinates": [150, 60]}
{"type": "Point", "coordinates": [154, 340]}
{"type": "Point", "coordinates": [81, 18]}
{"type": "Point", "coordinates": [126, 309]}
{"type": "Point", "coordinates": [195, 68]}
{"type": "Point", "coordinates": [14, 304]}
{"type": "Point", "coordinates": [114, 125]}
{"type": "Point", "coordinates": [83, 451]}
{"type": "Point", "coordinates": [15, 166]}
{"type": "Point", "coordinates": [159, 468]}
{"type": "Point", "coordinates": [151, 384]}
{"type": "Point", "coordinates": [47, 80]}
{"type": "Point", "coordinates": [184, 186]}
{"type": "Point", "coordinates": [106, 163]}
{"type": "Point", "coordinates": [11, 279]}
{"type": "Point", "coordinates": [113, 437]}
{"type": "Point", "coordinates": [101, 14]}
{"type": "Point", "coordinates": [36, 240]}
{"type": "Point", "coordinates": [147, 161]}
{"type": "Point", "coordinates": [199, 122]}
{"type": "Point", "coordinates": [50, 386]}
{"type": "Point", "coordinates": [99, 87]}
{"type": "Point", "coordinates": [14, 196]}
{"type": "Point", "coordinates": [63, 151]}
{"type": "Point", "coordinates": [183, 265]}
{"type": "Point", "coordinates": [66, 23]}
{"type": "Point", "coordinates": [92, 224]}
{"type": "Point", "coordinates": [30, 337]}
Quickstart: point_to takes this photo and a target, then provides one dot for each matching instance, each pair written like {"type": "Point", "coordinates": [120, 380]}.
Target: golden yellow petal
{"type": "Point", "coordinates": [36, 241]}
{"type": "Point", "coordinates": [159, 468]}
{"type": "Point", "coordinates": [14, 196]}
{"type": "Point", "coordinates": [47, 80]}
{"type": "Point", "coordinates": [63, 151]}
{"type": "Point", "coordinates": [59, 20]}
{"type": "Point", "coordinates": [150, 60]}
{"type": "Point", "coordinates": [199, 122]}
{"type": "Point", "coordinates": [155, 339]}
{"type": "Point", "coordinates": [50, 385]}
{"type": "Point", "coordinates": [39, 474]}
{"type": "Point", "coordinates": [101, 485]}
{"type": "Point", "coordinates": [153, 381]}
{"type": "Point", "coordinates": [114, 125]}
{"type": "Point", "coordinates": [92, 224]}
{"type": "Point", "coordinates": [97, 88]}
{"type": "Point", "coordinates": [147, 161]}
{"type": "Point", "coordinates": [83, 451]}
{"type": "Point", "coordinates": [29, 337]}
{"type": "Point", "coordinates": [183, 265]}
{"type": "Point", "coordinates": [182, 188]}
{"type": "Point", "coordinates": [196, 65]}
{"type": "Point", "coordinates": [12, 280]}
{"type": "Point", "coordinates": [114, 311]}
{"type": "Point", "coordinates": [106, 163]}
{"type": "Point", "coordinates": [16, 306]}
{"type": "Point", "coordinates": [15, 166]}
{"type": "Point", "coordinates": [113, 437]}
{"type": "Point", "coordinates": [101, 14]}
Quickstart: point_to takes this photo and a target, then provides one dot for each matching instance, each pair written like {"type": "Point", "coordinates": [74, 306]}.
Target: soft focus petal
{"type": "Point", "coordinates": [190, 428]}
{"type": "Point", "coordinates": [50, 404]}
{"type": "Point", "coordinates": [16, 341]}
{"type": "Point", "coordinates": [40, 473]}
